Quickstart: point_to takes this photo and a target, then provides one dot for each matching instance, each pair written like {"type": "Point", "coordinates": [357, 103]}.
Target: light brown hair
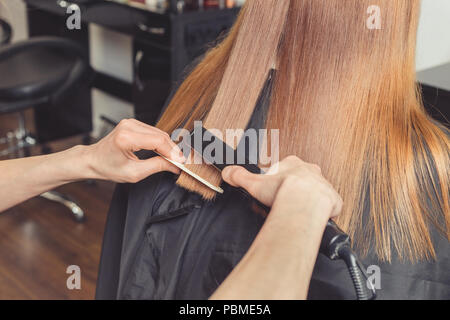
{"type": "Point", "coordinates": [345, 98]}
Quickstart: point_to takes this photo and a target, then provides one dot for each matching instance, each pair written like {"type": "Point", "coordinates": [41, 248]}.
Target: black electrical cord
{"type": "Point", "coordinates": [358, 275]}
{"type": "Point", "coordinates": [336, 246]}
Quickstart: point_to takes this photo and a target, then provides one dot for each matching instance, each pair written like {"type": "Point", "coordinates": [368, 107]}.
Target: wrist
{"type": "Point", "coordinates": [295, 217]}
{"type": "Point", "coordinates": [297, 223]}
{"type": "Point", "coordinates": [296, 207]}
{"type": "Point", "coordinates": [89, 162]}
{"type": "Point", "coordinates": [79, 164]}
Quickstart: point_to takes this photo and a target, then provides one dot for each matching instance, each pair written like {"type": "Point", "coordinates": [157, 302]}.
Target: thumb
{"type": "Point", "coordinates": [240, 177]}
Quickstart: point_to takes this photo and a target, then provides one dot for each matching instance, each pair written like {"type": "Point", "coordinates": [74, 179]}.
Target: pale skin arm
{"type": "Point", "coordinates": [280, 262]}
{"type": "Point", "coordinates": [112, 159]}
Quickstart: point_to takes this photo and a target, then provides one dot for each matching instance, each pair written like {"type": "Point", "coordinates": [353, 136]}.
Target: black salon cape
{"type": "Point", "coordinates": [162, 242]}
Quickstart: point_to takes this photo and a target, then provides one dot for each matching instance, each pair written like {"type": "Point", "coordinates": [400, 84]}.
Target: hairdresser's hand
{"type": "Point", "coordinates": [113, 157]}
{"type": "Point", "coordinates": [280, 262]}
{"type": "Point", "coordinates": [293, 184]}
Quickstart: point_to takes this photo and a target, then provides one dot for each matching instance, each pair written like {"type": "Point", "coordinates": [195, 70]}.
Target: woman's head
{"type": "Point", "coordinates": [345, 98]}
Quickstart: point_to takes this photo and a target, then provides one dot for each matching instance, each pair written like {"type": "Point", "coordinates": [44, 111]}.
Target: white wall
{"type": "Point", "coordinates": [112, 54]}
{"type": "Point", "coordinates": [433, 46]}
{"type": "Point", "coordinates": [14, 11]}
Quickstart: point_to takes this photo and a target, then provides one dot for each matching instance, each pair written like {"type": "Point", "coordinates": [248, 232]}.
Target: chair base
{"type": "Point", "coordinates": [18, 142]}
{"type": "Point", "coordinates": [77, 212]}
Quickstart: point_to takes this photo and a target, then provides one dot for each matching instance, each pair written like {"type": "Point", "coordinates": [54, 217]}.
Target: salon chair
{"type": "Point", "coordinates": [39, 71]}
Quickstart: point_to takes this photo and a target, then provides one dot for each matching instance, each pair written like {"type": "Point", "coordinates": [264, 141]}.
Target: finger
{"type": "Point", "coordinates": [130, 126]}
{"type": "Point", "coordinates": [134, 125]}
{"type": "Point", "coordinates": [285, 165]}
{"type": "Point", "coordinates": [145, 168]}
{"type": "Point", "coordinates": [158, 142]}
{"type": "Point", "coordinates": [143, 127]}
{"type": "Point", "coordinates": [241, 178]}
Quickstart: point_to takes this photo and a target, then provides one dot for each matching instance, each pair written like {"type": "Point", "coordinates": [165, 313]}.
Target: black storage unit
{"type": "Point", "coordinates": [163, 44]}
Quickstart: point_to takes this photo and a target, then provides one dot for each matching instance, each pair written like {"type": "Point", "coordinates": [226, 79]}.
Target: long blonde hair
{"type": "Point", "coordinates": [345, 98]}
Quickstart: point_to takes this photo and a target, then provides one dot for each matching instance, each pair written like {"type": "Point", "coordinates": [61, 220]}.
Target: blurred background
{"type": "Point", "coordinates": [71, 70]}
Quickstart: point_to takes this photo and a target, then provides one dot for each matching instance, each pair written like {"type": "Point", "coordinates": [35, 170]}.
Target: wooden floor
{"type": "Point", "coordinates": [39, 239]}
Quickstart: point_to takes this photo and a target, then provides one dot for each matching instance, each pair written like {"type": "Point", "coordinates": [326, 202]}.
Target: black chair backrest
{"type": "Point", "coordinates": [5, 32]}
{"type": "Point", "coordinates": [80, 72]}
